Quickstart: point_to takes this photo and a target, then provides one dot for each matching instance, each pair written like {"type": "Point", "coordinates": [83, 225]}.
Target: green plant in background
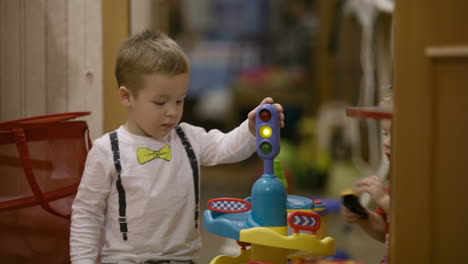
{"type": "Point", "coordinates": [280, 173]}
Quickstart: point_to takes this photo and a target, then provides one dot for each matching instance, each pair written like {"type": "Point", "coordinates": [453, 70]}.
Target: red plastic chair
{"type": "Point", "coordinates": [41, 162]}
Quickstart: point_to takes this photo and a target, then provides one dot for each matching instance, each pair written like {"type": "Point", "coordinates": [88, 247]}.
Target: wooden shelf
{"type": "Point", "coordinates": [374, 112]}
{"type": "Point", "coordinates": [460, 51]}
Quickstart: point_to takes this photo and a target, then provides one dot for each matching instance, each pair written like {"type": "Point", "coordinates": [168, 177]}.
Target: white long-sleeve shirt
{"type": "Point", "coordinates": [160, 196]}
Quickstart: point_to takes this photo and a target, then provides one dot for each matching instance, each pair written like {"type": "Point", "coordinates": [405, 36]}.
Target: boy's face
{"type": "Point", "coordinates": [387, 137]}
{"type": "Point", "coordinates": [158, 106]}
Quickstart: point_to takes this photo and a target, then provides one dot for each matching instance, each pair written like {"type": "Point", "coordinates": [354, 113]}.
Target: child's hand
{"type": "Point", "coordinates": [376, 189]}
{"type": "Point", "coordinates": [251, 115]}
{"type": "Point", "coordinates": [350, 217]}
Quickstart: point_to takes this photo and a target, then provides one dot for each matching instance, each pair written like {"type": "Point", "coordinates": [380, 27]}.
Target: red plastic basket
{"type": "Point", "coordinates": [41, 162]}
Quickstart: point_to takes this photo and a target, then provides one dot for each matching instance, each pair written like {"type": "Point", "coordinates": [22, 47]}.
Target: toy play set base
{"type": "Point", "coordinates": [260, 223]}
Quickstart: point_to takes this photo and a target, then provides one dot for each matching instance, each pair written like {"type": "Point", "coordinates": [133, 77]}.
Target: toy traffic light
{"type": "Point", "coordinates": [268, 135]}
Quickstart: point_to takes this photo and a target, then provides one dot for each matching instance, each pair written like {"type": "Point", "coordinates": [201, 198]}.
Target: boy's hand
{"type": "Point", "coordinates": [251, 115]}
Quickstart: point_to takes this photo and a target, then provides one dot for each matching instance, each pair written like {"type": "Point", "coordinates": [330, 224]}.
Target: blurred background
{"type": "Point", "coordinates": [315, 57]}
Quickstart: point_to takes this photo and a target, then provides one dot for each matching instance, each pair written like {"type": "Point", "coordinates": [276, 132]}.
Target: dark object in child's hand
{"type": "Point", "coordinates": [351, 201]}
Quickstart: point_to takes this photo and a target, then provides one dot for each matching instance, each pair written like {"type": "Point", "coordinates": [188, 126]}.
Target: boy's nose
{"type": "Point", "coordinates": [171, 110]}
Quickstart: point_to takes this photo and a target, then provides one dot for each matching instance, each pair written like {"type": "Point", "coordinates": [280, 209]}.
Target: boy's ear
{"type": "Point", "coordinates": [125, 95]}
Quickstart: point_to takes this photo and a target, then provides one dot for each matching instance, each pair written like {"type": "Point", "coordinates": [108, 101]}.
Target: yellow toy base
{"type": "Point", "coordinates": [244, 257]}
{"type": "Point", "coordinates": [272, 244]}
{"type": "Point", "coordinates": [296, 242]}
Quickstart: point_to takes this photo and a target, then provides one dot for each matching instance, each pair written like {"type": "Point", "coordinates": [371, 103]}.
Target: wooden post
{"type": "Point", "coordinates": [430, 143]}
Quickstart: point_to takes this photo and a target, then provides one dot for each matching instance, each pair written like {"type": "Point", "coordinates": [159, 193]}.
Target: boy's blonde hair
{"type": "Point", "coordinates": [146, 53]}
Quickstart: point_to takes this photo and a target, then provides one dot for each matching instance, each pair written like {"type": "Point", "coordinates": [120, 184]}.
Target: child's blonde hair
{"type": "Point", "coordinates": [387, 98]}
{"type": "Point", "coordinates": [146, 53]}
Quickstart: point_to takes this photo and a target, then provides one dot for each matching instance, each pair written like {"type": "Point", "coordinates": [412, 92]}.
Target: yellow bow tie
{"type": "Point", "coordinates": [145, 154]}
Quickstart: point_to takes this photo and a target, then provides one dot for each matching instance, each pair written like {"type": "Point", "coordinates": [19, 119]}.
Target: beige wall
{"type": "Point", "coordinates": [51, 59]}
{"type": "Point", "coordinates": [430, 142]}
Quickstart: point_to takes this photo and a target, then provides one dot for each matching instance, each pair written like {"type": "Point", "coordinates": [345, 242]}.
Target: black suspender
{"type": "Point", "coordinates": [194, 164]}
{"type": "Point", "coordinates": [121, 191]}
{"type": "Point", "coordinates": [122, 201]}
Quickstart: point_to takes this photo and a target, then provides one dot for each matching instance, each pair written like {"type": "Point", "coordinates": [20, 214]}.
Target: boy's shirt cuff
{"type": "Point", "coordinates": [251, 139]}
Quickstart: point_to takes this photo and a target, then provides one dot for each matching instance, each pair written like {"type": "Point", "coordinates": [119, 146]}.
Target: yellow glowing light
{"type": "Point", "coordinates": [266, 131]}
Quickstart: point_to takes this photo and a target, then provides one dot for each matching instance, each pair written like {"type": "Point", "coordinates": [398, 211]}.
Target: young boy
{"type": "Point", "coordinates": [140, 183]}
{"type": "Point", "coordinates": [376, 225]}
